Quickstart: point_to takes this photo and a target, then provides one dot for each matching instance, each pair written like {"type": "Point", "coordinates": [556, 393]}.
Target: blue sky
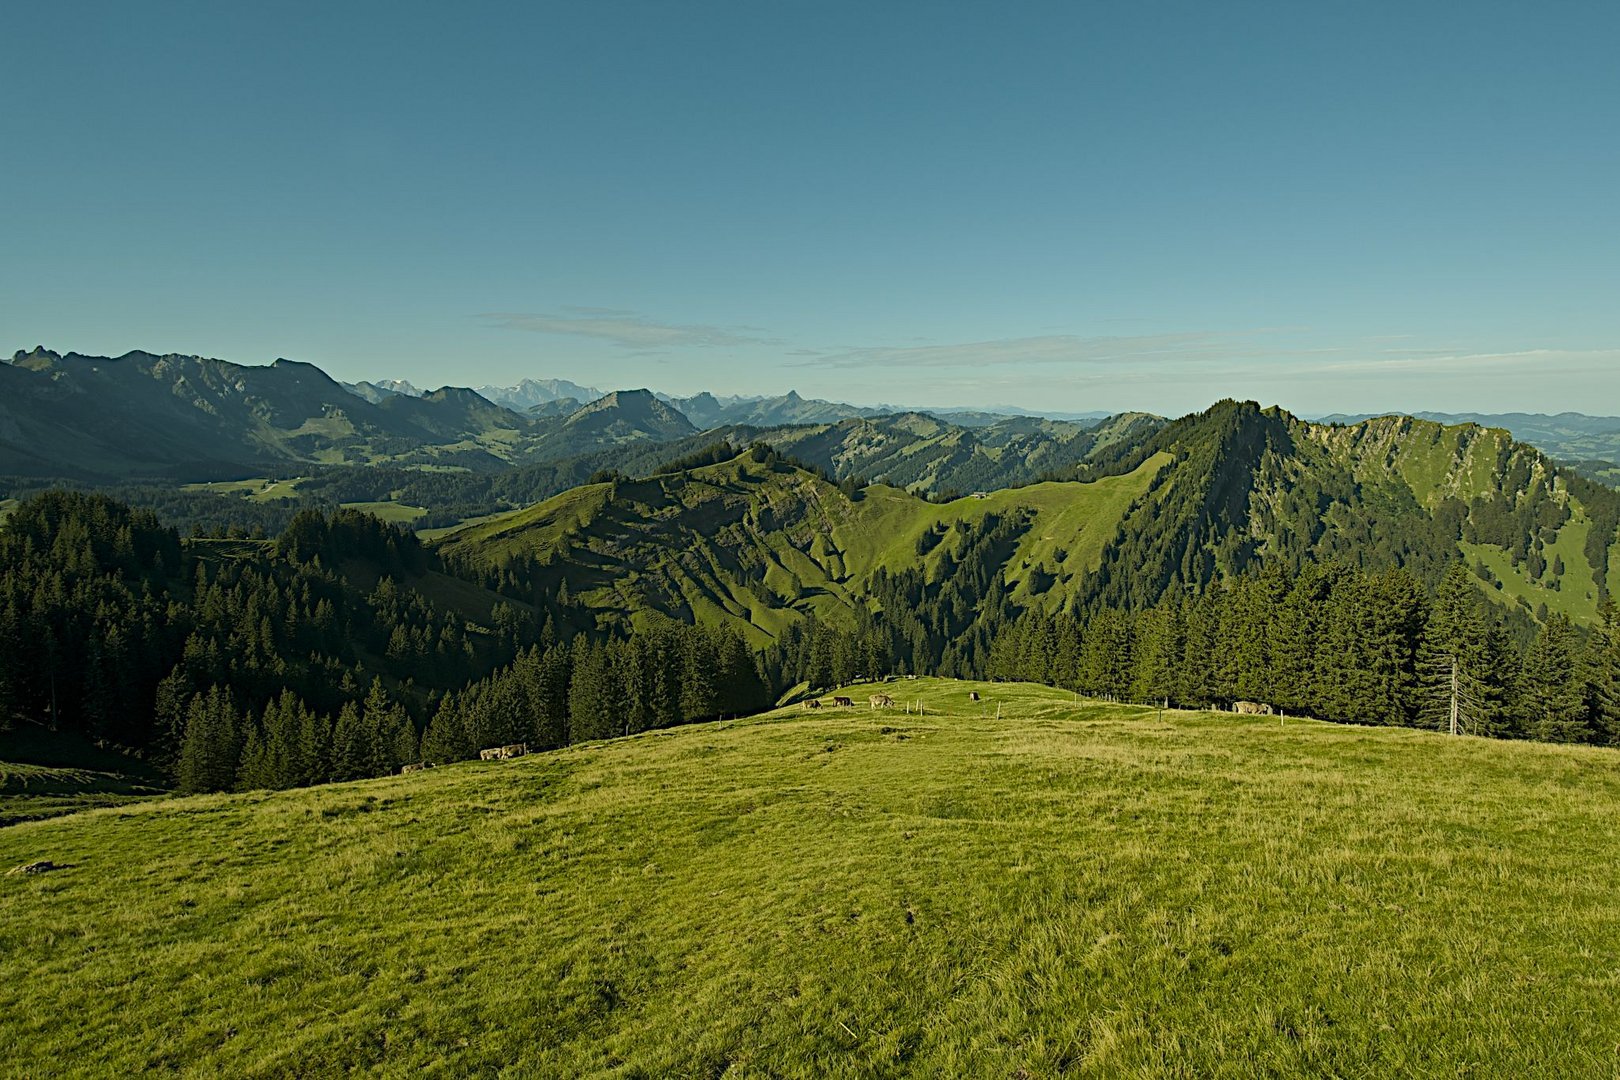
{"type": "Point", "coordinates": [1065, 206]}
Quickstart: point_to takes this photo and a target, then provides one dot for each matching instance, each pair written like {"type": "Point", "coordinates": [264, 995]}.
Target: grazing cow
{"type": "Point", "coordinates": [882, 701]}
{"type": "Point", "coordinates": [813, 703]}
{"type": "Point", "coordinates": [492, 754]}
{"type": "Point", "coordinates": [1251, 708]}
{"type": "Point", "coordinates": [844, 702]}
{"type": "Point", "coordinates": [512, 750]}
{"type": "Point", "coordinates": [418, 767]}
{"type": "Point", "coordinates": [973, 695]}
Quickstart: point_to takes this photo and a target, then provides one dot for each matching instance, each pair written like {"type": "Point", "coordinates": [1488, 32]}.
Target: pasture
{"type": "Point", "coordinates": [1075, 889]}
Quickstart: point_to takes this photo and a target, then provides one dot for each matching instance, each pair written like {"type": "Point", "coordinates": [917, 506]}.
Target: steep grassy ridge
{"type": "Point", "coordinates": [755, 544]}
{"type": "Point", "coordinates": [1591, 441]}
{"type": "Point", "coordinates": [1468, 464]}
{"type": "Point", "coordinates": [1204, 499]}
{"type": "Point", "coordinates": [1252, 487]}
{"type": "Point", "coordinates": [923, 453]}
{"type": "Point", "coordinates": [1074, 889]}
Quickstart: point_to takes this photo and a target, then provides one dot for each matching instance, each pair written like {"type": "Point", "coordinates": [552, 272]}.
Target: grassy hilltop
{"type": "Point", "coordinates": [1073, 889]}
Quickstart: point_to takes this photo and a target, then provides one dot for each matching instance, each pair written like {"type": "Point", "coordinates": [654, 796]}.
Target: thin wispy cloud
{"type": "Point", "coordinates": [626, 329]}
{"type": "Point", "coordinates": [1543, 362]}
{"type": "Point", "coordinates": [1187, 347]}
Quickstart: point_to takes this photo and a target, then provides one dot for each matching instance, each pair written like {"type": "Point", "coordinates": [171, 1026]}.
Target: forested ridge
{"type": "Point", "coordinates": [1349, 573]}
{"type": "Point", "coordinates": [1335, 642]}
{"type": "Point", "coordinates": [319, 656]}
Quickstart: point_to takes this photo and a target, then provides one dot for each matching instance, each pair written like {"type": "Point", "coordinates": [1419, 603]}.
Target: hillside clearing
{"type": "Point", "coordinates": [45, 774]}
{"type": "Point", "coordinates": [1075, 889]}
{"type": "Point", "coordinates": [393, 512]}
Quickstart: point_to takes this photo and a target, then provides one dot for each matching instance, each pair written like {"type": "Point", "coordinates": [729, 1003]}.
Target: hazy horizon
{"type": "Point", "coordinates": [1006, 407]}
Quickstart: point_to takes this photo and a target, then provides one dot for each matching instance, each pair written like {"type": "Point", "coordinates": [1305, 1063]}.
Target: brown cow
{"type": "Point", "coordinates": [882, 701]}
{"type": "Point", "coordinates": [844, 702]}
{"type": "Point", "coordinates": [813, 703]}
{"type": "Point", "coordinates": [973, 695]}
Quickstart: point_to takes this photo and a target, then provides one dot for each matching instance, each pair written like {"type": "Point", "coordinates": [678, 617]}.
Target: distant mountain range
{"type": "Point", "coordinates": [706, 410]}
{"type": "Point", "coordinates": [1166, 506]}
{"type": "Point", "coordinates": [558, 397]}
{"type": "Point", "coordinates": [375, 392]}
{"type": "Point", "coordinates": [176, 418]}
{"type": "Point", "coordinates": [192, 418]}
{"type": "Point", "coordinates": [182, 417]}
{"type": "Point", "coordinates": [530, 393]}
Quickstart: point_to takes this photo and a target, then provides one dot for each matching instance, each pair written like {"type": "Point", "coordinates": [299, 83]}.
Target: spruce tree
{"type": "Point", "coordinates": [1105, 655]}
{"type": "Point", "coordinates": [446, 737]}
{"type": "Point", "coordinates": [287, 737]}
{"type": "Point", "coordinates": [351, 748]}
{"type": "Point", "coordinates": [1291, 632]}
{"type": "Point", "coordinates": [390, 735]}
{"type": "Point", "coordinates": [698, 697]}
{"type": "Point", "coordinates": [554, 677]}
{"type": "Point", "coordinates": [1604, 676]}
{"type": "Point", "coordinates": [256, 769]}
{"type": "Point", "coordinates": [1456, 639]}
{"type": "Point", "coordinates": [1157, 656]}
{"type": "Point", "coordinates": [591, 707]}
{"type": "Point", "coordinates": [1253, 604]}
{"type": "Point", "coordinates": [209, 752]}
{"type": "Point", "coordinates": [1066, 651]}
{"type": "Point", "coordinates": [315, 745]}
{"type": "Point", "coordinates": [1203, 644]}
{"type": "Point", "coordinates": [1552, 700]}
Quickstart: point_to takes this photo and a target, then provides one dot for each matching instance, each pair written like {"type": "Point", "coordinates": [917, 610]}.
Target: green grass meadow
{"type": "Point", "coordinates": [1073, 889]}
{"type": "Point", "coordinates": [45, 774]}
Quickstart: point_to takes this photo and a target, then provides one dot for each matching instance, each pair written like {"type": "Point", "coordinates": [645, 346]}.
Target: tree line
{"type": "Point", "coordinates": [320, 656]}
{"type": "Point", "coordinates": [1338, 643]}
{"type": "Point", "coordinates": [1336, 640]}
{"type": "Point", "coordinates": [314, 657]}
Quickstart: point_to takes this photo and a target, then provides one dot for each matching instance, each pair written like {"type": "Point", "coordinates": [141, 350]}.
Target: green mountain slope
{"type": "Point", "coordinates": [1589, 443]}
{"type": "Point", "coordinates": [1206, 498]}
{"type": "Point", "coordinates": [44, 773]}
{"type": "Point", "coordinates": [1071, 889]}
{"type": "Point", "coordinates": [757, 542]}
